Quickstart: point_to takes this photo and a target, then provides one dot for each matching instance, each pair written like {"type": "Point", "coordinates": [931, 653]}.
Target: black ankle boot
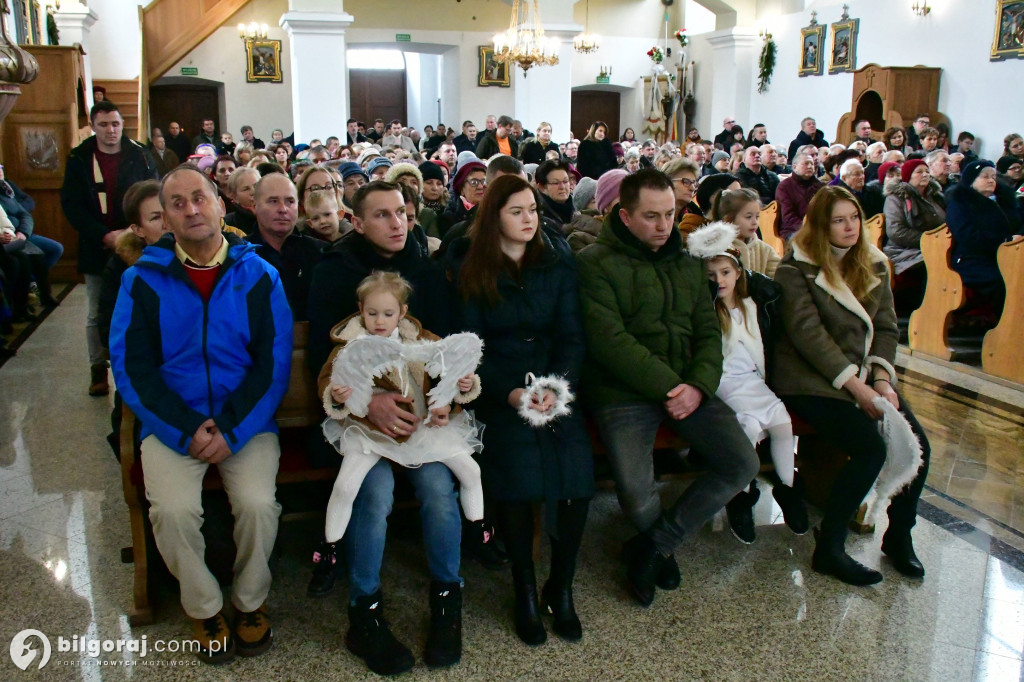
{"type": "Point", "coordinates": [899, 547]}
{"type": "Point", "coordinates": [830, 558]}
{"type": "Point", "coordinates": [558, 602]}
{"type": "Point", "coordinates": [527, 611]}
{"type": "Point", "coordinates": [794, 508]}
{"type": "Point", "coordinates": [740, 513]}
{"type": "Point", "coordinates": [444, 643]}
{"type": "Point", "coordinates": [326, 567]}
{"type": "Point", "coordinates": [480, 543]}
{"type": "Point", "coordinates": [644, 567]}
{"type": "Point", "coordinates": [370, 638]}
{"type": "Point", "coordinates": [668, 577]}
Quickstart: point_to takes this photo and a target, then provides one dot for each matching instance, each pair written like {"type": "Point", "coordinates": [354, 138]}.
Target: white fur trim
{"type": "Point", "coordinates": [329, 406]}
{"type": "Point", "coordinates": [470, 395]}
{"type": "Point", "coordinates": [844, 376]}
{"type": "Point", "coordinates": [711, 240]}
{"type": "Point", "coordinates": [902, 457]}
{"type": "Point", "coordinates": [884, 364]}
{"type": "Point", "coordinates": [534, 388]}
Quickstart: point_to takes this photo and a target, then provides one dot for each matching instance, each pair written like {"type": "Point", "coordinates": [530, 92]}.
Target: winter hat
{"type": "Point", "coordinates": [713, 240]}
{"type": "Point", "coordinates": [301, 147]}
{"type": "Point", "coordinates": [1004, 163]}
{"type": "Point", "coordinates": [576, 175]}
{"type": "Point", "coordinates": [464, 170]}
{"type": "Point", "coordinates": [719, 155]}
{"type": "Point", "coordinates": [465, 157]}
{"type": "Point", "coordinates": [350, 168]}
{"type": "Point", "coordinates": [404, 168]}
{"type": "Point", "coordinates": [531, 169]}
{"type": "Point", "coordinates": [431, 171]}
{"type": "Point", "coordinates": [586, 190]}
{"type": "Point", "coordinates": [710, 184]}
{"type": "Point", "coordinates": [617, 148]}
{"type": "Point", "coordinates": [377, 163]}
{"type": "Point", "coordinates": [909, 167]}
{"type": "Point", "coordinates": [884, 169]}
{"type": "Point", "coordinates": [367, 154]}
{"type": "Point", "coordinates": [973, 170]}
{"type": "Point", "coordinates": [608, 185]}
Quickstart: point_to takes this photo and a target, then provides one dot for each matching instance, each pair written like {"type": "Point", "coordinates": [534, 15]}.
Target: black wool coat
{"type": "Point", "coordinates": [536, 327]}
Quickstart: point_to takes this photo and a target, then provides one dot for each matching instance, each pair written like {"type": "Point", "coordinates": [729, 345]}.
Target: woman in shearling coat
{"type": "Point", "coordinates": [834, 356]}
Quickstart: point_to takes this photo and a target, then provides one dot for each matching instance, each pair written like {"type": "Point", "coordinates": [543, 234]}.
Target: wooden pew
{"type": "Point", "coordinates": [768, 222]}
{"type": "Point", "coordinates": [876, 231]}
{"type": "Point", "coordinates": [929, 324]}
{"type": "Point", "coordinates": [1000, 352]}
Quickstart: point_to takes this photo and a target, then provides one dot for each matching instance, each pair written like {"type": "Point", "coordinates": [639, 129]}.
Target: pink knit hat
{"type": "Point", "coordinates": [608, 188]}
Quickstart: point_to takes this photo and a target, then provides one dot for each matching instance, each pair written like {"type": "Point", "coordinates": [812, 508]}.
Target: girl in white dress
{"type": "Point", "coordinates": [743, 388]}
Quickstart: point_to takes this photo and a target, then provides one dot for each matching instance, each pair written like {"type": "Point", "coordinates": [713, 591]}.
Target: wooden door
{"type": "Point", "coordinates": [377, 93]}
{"type": "Point", "coordinates": [186, 104]}
{"type": "Point", "coordinates": [594, 105]}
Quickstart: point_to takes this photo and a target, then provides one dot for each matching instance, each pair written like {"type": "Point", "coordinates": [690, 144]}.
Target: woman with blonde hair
{"type": "Point", "coordinates": [834, 370]}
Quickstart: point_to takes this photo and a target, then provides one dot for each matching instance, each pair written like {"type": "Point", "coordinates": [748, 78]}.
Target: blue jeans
{"type": "Point", "coordinates": [52, 250]}
{"type": "Point", "coordinates": [628, 430]}
{"type": "Point", "coordinates": [367, 529]}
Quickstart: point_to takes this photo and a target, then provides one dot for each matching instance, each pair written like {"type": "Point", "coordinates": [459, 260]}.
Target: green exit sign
{"type": "Point", "coordinates": [403, 38]}
{"type": "Point", "coordinates": [604, 80]}
{"type": "Point", "coordinates": [190, 71]}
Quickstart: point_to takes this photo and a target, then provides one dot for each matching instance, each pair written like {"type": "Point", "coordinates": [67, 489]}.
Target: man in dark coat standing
{"type": "Point", "coordinates": [723, 140]}
{"type": "Point", "coordinates": [98, 173]}
{"type": "Point", "coordinates": [177, 142]}
{"type": "Point", "coordinates": [809, 134]}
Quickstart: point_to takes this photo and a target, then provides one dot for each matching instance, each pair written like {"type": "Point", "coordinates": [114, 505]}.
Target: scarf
{"type": "Point", "coordinates": [564, 210]}
{"type": "Point", "coordinates": [6, 189]}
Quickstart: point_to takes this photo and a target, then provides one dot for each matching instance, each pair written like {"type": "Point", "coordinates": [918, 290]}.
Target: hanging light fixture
{"type": "Point", "coordinates": [252, 32]}
{"type": "Point", "coordinates": [524, 43]}
{"type": "Point", "coordinates": [586, 42]}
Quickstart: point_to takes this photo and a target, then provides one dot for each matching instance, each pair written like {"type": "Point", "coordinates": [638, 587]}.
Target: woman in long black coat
{"type": "Point", "coordinates": [520, 296]}
{"type": "Point", "coordinates": [596, 156]}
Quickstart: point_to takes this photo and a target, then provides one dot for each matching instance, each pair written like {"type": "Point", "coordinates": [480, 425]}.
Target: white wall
{"type": "Point", "coordinates": [117, 25]}
{"type": "Point", "coordinates": [976, 94]}
{"type": "Point", "coordinates": [423, 88]}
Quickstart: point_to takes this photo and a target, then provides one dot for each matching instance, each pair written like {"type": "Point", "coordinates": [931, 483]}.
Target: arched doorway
{"type": "Point", "coordinates": [187, 101]}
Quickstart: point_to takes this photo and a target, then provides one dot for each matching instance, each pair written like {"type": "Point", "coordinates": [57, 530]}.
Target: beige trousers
{"type": "Point", "coordinates": [173, 486]}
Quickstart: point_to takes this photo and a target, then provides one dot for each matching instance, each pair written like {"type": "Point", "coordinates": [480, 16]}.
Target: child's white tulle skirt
{"type": "Point", "coordinates": [461, 436]}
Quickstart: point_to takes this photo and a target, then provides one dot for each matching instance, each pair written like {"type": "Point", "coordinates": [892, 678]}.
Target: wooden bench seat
{"type": "Point", "coordinates": [300, 411]}
{"type": "Point", "coordinates": [1000, 352]}
{"type": "Point", "coordinates": [944, 294]}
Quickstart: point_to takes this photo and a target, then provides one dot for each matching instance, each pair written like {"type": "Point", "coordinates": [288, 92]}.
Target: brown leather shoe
{"type": "Point", "coordinates": [99, 385]}
{"type": "Point", "coordinates": [253, 634]}
{"type": "Point", "coordinates": [217, 646]}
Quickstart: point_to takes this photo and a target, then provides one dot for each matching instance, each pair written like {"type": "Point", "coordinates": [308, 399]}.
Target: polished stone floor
{"type": "Point", "coordinates": [743, 612]}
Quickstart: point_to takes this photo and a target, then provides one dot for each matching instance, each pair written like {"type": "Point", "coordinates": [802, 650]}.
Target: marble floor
{"type": "Point", "coordinates": [743, 612]}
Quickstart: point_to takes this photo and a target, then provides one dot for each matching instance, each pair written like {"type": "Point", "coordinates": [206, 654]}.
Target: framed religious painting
{"type": "Point", "coordinates": [263, 61]}
{"type": "Point", "coordinates": [492, 72]}
{"type": "Point", "coordinates": [1009, 39]}
{"type": "Point", "coordinates": [812, 43]}
{"type": "Point", "coordinates": [843, 55]}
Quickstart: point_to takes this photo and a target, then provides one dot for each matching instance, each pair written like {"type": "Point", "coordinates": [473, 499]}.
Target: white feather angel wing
{"type": "Point", "coordinates": [452, 358]}
{"type": "Point", "coordinates": [361, 360]}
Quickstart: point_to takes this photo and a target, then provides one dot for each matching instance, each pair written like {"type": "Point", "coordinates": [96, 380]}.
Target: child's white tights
{"type": "Point", "coordinates": [782, 444]}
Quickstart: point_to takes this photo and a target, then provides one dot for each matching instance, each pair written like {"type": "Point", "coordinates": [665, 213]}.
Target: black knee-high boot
{"type": "Point", "coordinates": [515, 523]}
{"type": "Point", "coordinates": [557, 592]}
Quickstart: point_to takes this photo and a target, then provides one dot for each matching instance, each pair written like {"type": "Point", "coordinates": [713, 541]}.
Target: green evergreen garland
{"type": "Point", "coordinates": [766, 64]}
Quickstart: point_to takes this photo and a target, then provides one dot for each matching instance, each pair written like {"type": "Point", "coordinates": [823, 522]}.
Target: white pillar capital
{"type": "Point", "coordinates": [735, 51]}
{"type": "Point", "coordinates": [312, 34]}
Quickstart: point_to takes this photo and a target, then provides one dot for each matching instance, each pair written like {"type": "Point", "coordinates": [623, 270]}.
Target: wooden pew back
{"type": "Point", "coordinates": [768, 221]}
{"type": "Point", "coordinates": [1000, 352]}
{"type": "Point", "coordinates": [929, 324]}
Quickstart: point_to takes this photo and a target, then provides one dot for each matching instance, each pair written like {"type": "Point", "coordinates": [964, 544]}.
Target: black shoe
{"type": "Point", "coordinates": [325, 570]}
{"type": "Point", "coordinates": [644, 567]}
{"type": "Point", "coordinates": [668, 575]}
{"type": "Point", "coordinates": [370, 638]}
{"type": "Point", "coordinates": [794, 509]}
{"type": "Point", "coordinates": [740, 513]}
{"type": "Point", "coordinates": [830, 558]}
{"type": "Point", "coordinates": [481, 545]}
{"type": "Point", "coordinates": [48, 302]}
{"type": "Point", "coordinates": [900, 549]}
{"type": "Point", "coordinates": [527, 610]}
{"type": "Point", "coordinates": [558, 602]}
{"type": "Point", "coordinates": [444, 643]}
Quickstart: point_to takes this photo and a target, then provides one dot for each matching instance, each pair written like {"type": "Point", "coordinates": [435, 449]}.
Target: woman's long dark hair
{"type": "Point", "coordinates": [485, 261]}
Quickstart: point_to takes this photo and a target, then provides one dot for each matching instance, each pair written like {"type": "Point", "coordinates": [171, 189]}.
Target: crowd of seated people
{"type": "Point", "coordinates": [580, 261]}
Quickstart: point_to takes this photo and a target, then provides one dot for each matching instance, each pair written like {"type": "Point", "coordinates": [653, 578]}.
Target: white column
{"type": "Point", "coordinates": [318, 69]}
{"type": "Point", "coordinates": [544, 93]}
{"type": "Point", "coordinates": [73, 23]}
{"type": "Point", "coordinates": [733, 68]}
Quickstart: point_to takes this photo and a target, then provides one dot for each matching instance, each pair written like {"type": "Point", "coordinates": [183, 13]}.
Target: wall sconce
{"type": "Point", "coordinates": [605, 72]}
{"type": "Point", "coordinates": [252, 31]}
{"type": "Point", "coordinates": [921, 9]}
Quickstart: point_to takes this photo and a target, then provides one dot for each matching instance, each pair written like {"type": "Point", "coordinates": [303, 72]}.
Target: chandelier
{"type": "Point", "coordinates": [586, 42]}
{"type": "Point", "coordinates": [524, 43]}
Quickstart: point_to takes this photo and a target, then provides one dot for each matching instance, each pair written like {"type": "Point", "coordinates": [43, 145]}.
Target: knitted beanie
{"type": "Point", "coordinates": [1004, 163]}
{"type": "Point", "coordinates": [884, 169]}
{"type": "Point", "coordinates": [719, 155]}
{"type": "Point", "coordinates": [431, 171]}
{"type": "Point", "coordinates": [607, 192]}
{"type": "Point", "coordinates": [377, 163]}
{"type": "Point", "coordinates": [350, 168]}
{"type": "Point", "coordinates": [909, 166]}
{"type": "Point", "coordinates": [404, 168]}
{"type": "Point", "coordinates": [586, 190]}
{"type": "Point", "coordinates": [464, 170]}
{"type": "Point", "coordinates": [367, 154]}
{"type": "Point", "coordinates": [973, 170]}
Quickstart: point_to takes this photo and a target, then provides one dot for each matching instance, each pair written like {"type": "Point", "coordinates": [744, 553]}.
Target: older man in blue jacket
{"type": "Point", "coordinates": [200, 344]}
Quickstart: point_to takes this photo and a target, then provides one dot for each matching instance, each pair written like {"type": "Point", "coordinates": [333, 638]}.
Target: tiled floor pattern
{"type": "Point", "coordinates": [743, 612]}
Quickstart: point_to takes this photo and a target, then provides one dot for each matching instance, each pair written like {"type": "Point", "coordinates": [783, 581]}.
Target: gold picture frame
{"type": "Point", "coordinates": [843, 55]}
{"type": "Point", "coordinates": [263, 61]}
{"type": "Point", "coordinates": [812, 42]}
{"type": "Point", "coordinates": [1008, 42]}
{"type": "Point", "coordinates": [492, 72]}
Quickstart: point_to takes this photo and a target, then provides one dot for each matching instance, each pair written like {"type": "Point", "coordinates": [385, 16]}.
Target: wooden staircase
{"type": "Point", "coordinates": [125, 94]}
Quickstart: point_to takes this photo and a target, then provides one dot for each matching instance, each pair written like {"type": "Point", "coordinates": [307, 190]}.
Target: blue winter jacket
{"type": "Point", "coordinates": [179, 361]}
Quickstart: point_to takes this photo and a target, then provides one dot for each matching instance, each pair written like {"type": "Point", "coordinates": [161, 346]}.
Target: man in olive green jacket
{"type": "Point", "coordinates": [654, 354]}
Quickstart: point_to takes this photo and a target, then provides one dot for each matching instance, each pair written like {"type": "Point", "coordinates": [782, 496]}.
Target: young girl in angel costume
{"type": "Point", "coordinates": [382, 349]}
{"type": "Point", "coordinates": [743, 302]}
